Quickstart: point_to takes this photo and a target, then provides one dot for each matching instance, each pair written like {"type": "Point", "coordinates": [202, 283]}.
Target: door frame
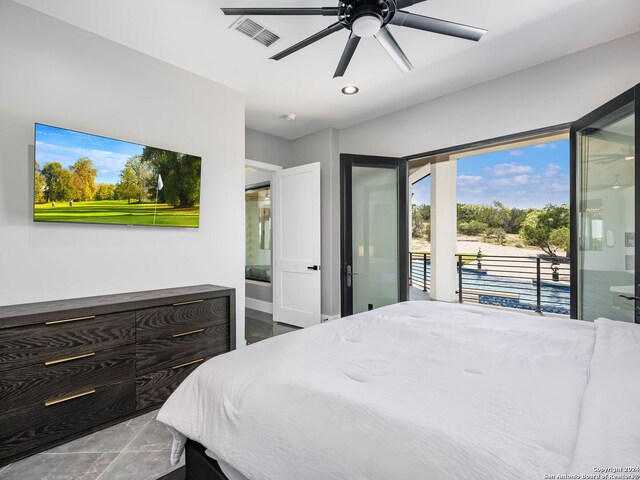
{"type": "Point", "coordinates": [347, 161]}
{"type": "Point", "coordinates": [252, 303]}
{"type": "Point", "coordinates": [633, 94]}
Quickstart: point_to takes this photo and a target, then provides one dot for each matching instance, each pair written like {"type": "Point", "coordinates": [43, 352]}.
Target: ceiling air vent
{"type": "Point", "coordinates": [254, 30]}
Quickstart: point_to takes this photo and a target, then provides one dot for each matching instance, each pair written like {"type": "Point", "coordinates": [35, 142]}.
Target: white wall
{"type": "Point", "coordinates": [54, 73]}
{"type": "Point", "coordinates": [555, 92]}
{"type": "Point", "coordinates": [323, 147]}
{"type": "Point", "coordinates": [263, 147]}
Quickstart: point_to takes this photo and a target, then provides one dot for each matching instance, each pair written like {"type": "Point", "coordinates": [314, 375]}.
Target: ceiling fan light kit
{"type": "Point", "coordinates": [366, 26]}
{"type": "Point", "coordinates": [365, 19]}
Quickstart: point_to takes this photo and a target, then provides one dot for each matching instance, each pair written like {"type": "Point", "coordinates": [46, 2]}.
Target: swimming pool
{"type": "Point", "coordinates": [504, 291]}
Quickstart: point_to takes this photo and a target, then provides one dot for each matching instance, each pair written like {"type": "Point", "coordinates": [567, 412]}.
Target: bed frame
{"type": "Point", "coordinates": [199, 466]}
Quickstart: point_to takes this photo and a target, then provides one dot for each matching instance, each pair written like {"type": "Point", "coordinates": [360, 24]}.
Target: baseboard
{"type": "Point", "coordinates": [260, 305]}
{"type": "Point", "coordinates": [327, 318]}
{"type": "Point", "coordinates": [267, 307]}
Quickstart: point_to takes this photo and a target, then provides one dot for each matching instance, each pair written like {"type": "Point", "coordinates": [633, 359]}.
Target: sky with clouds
{"type": "Point", "coordinates": [66, 147]}
{"type": "Point", "coordinates": [528, 177]}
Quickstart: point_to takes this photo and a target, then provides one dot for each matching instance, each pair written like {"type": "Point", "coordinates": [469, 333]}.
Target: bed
{"type": "Point", "coordinates": [418, 390]}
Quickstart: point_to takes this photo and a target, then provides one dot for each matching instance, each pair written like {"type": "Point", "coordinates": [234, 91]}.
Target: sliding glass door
{"type": "Point", "coordinates": [605, 213]}
{"type": "Point", "coordinates": [374, 231]}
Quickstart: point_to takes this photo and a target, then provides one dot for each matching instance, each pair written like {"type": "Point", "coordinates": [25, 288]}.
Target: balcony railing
{"type": "Point", "coordinates": [420, 276]}
{"type": "Point", "coordinates": [541, 284]}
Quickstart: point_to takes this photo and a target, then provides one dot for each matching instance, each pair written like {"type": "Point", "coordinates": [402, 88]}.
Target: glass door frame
{"type": "Point", "coordinates": [347, 162]}
{"type": "Point", "coordinates": [631, 95]}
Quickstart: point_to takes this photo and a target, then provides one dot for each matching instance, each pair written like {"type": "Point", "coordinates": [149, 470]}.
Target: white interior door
{"type": "Point", "coordinates": [296, 257]}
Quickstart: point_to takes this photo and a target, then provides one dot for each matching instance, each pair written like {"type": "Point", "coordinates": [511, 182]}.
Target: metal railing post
{"type": "Point", "coordinates": [424, 272]}
{"type": "Point", "coordinates": [410, 269]}
{"type": "Point", "coordinates": [459, 278]}
{"type": "Point", "coordinates": [538, 287]}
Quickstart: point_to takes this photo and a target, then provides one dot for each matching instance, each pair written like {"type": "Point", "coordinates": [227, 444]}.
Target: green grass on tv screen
{"type": "Point", "coordinates": [117, 212]}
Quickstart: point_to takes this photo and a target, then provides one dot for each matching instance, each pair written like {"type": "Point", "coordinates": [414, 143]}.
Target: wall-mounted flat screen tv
{"type": "Point", "coordinates": [83, 178]}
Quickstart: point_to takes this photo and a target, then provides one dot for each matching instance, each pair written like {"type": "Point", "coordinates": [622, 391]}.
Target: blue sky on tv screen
{"type": "Point", "coordinates": [66, 147]}
{"type": "Point", "coordinates": [528, 177]}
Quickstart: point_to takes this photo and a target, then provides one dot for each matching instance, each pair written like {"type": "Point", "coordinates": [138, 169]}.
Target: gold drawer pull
{"type": "Point", "coordinates": [187, 303]}
{"type": "Point", "coordinates": [188, 363]}
{"type": "Point", "coordinates": [48, 403]}
{"type": "Point", "coordinates": [187, 333]}
{"type": "Point", "coordinates": [54, 322]}
{"type": "Point", "coordinates": [68, 359]}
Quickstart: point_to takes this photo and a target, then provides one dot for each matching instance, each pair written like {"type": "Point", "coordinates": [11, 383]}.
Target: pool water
{"type": "Point", "coordinates": [555, 298]}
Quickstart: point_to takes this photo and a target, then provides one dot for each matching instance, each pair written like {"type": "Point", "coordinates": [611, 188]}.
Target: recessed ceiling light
{"type": "Point", "coordinates": [290, 117]}
{"type": "Point", "coordinates": [350, 90]}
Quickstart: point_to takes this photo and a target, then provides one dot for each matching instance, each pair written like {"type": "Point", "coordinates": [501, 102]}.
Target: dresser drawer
{"type": "Point", "coordinates": [154, 388]}
{"type": "Point", "coordinates": [35, 384]}
{"type": "Point", "coordinates": [181, 317]}
{"type": "Point", "coordinates": [29, 428]}
{"type": "Point", "coordinates": [65, 337]}
{"type": "Point", "coordinates": [169, 351]}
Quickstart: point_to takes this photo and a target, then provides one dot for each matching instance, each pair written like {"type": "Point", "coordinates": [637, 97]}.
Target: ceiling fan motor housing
{"type": "Point", "coordinates": [365, 17]}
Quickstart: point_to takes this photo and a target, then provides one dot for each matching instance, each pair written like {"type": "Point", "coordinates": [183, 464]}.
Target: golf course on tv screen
{"type": "Point", "coordinates": [82, 178]}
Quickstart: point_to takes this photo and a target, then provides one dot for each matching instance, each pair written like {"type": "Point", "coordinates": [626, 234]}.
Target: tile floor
{"type": "Point", "coordinates": [136, 449]}
{"type": "Point", "coordinates": [260, 325]}
{"type": "Point", "coordinates": [416, 293]}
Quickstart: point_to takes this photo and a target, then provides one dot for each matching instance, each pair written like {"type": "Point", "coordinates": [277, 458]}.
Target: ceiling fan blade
{"type": "Point", "coordinates": [324, 11]}
{"type": "Point", "coordinates": [435, 25]}
{"type": "Point", "coordinates": [308, 41]}
{"type": "Point", "coordinates": [348, 52]}
{"type": "Point", "coordinates": [393, 49]}
{"type": "Point", "coordinates": [407, 3]}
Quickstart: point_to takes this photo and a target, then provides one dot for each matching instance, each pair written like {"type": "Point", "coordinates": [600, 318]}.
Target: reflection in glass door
{"type": "Point", "coordinates": [605, 212]}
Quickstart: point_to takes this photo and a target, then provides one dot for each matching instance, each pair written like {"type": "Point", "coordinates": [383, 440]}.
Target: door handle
{"type": "Point", "coordinates": [629, 297]}
{"type": "Point", "coordinates": [313, 267]}
{"type": "Point", "coordinates": [350, 274]}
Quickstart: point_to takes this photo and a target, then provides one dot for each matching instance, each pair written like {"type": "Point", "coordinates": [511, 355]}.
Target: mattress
{"type": "Point", "coordinates": [413, 390]}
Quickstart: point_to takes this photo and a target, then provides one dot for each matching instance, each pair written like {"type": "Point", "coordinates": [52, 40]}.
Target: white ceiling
{"type": "Point", "coordinates": [194, 35]}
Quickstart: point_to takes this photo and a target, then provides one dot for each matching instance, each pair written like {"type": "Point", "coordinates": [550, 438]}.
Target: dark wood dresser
{"type": "Point", "coordinates": [70, 367]}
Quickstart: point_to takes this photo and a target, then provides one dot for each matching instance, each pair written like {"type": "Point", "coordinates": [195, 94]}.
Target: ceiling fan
{"type": "Point", "coordinates": [367, 18]}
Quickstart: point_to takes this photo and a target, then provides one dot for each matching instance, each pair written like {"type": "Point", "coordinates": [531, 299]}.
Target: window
{"type": "Point", "coordinates": [515, 202]}
{"type": "Point", "coordinates": [258, 233]}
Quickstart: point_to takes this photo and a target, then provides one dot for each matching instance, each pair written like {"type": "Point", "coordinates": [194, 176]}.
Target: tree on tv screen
{"type": "Point", "coordinates": [128, 186]}
{"type": "Point", "coordinates": [84, 176]}
{"type": "Point", "coordinates": [138, 180]}
{"type": "Point", "coordinates": [39, 186]}
{"type": "Point", "coordinates": [180, 176]}
{"type": "Point", "coordinates": [59, 182]}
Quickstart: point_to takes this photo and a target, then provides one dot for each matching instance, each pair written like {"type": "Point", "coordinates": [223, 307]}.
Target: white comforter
{"type": "Point", "coordinates": [418, 390]}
